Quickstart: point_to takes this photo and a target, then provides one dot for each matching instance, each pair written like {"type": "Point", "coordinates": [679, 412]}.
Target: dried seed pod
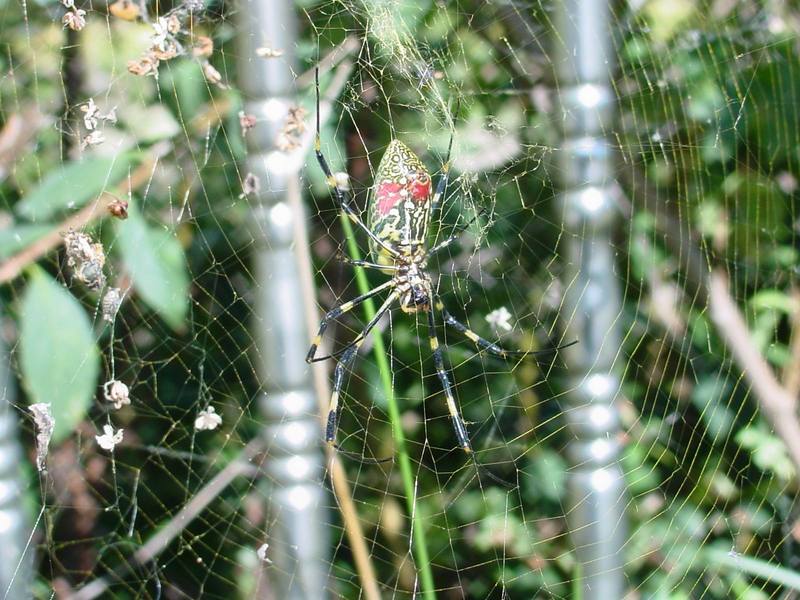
{"type": "Point", "coordinates": [111, 303]}
{"type": "Point", "coordinates": [118, 208]}
{"type": "Point", "coordinates": [204, 47]}
{"type": "Point", "coordinates": [251, 185]}
{"type": "Point", "coordinates": [86, 259]}
{"type": "Point", "coordinates": [246, 122]}
{"type": "Point", "coordinates": [146, 65]}
{"type": "Point", "coordinates": [117, 393]}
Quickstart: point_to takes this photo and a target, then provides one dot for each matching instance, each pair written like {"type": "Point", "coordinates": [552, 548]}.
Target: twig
{"type": "Point", "coordinates": [778, 406]}
{"type": "Point", "coordinates": [776, 402]}
{"type": "Point", "coordinates": [791, 372]}
{"type": "Point", "coordinates": [18, 130]}
{"type": "Point", "coordinates": [155, 545]}
{"type": "Point", "coordinates": [14, 265]}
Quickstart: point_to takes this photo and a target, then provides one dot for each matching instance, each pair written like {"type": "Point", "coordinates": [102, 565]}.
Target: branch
{"type": "Point", "coordinates": [241, 465]}
{"type": "Point", "coordinates": [775, 401]}
{"type": "Point", "coordinates": [94, 210]}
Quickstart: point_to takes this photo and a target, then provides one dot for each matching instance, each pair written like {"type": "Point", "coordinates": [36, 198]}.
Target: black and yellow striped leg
{"type": "Point", "coordinates": [337, 312]}
{"type": "Point", "coordinates": [340, 195]}
{"type": "Point", "coordinates": [365, 263]}
{"type": "Point", "coordinates": [343, 364]}
{"type": "Point", "coordinates": [446, 242]}
{"type": "Point", "coordinates": [491, 347]}
{"type": "Point", "coordinates": [441, 185]}
{"type": "Point", "coordinates": [438, 360]}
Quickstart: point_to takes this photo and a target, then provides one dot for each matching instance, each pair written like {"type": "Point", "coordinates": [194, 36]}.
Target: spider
{"type": "Point", "coordinates": [399, 211]}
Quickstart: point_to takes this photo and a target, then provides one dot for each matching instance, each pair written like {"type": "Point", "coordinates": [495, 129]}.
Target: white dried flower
{"type": "Point", "coordinates": [44, 422]}
{"type": "Point", "coordinates": [95, 138]}
{"type": "Point", "coordinates": [110, 438]}
{"type": "Point", "coordinates": [117, 393]}
{"type": "Point", "coordinates": [207, 420]}
{"type": "Point", "coordinates": [68, 3]}
{"type": "Point", "coordinates": [265, 52]}
{"type": "Point", "coordinates": [74, 19]}
{"type": "Point", "coordinates": [251, 185]}
{"type": "Point", "coordinates": [91, 114]}
{"type": "Point", "coordinates": [161, 34]}
{"type": "Point", "coordinates": [110, 116]}
{"type": "Point", "coordinates": [111, 303]}
{"type": "Point", "coordinates": [499, 318]}
{"type": "Point", "coordinates": [342, 181]}
{"type": "Point", "coordinates": [261, 553]}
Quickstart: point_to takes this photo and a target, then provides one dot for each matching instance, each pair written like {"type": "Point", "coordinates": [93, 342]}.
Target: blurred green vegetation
{"type": "Point", "coordinates": [707, 134]}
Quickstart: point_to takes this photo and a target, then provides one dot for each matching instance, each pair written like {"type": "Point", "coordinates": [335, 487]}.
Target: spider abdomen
{"type": "Point", "coordinates": [398, 210]}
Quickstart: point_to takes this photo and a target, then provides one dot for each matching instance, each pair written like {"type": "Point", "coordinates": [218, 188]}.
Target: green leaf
{"type": "Point", "coordinates": [16, 238]}
{"type": "Point", "coordinates": [59, 358]}
{"type": "Point", "coordinates": [74, 185]}
{"type": "Point", "coordinates": [156, 263]}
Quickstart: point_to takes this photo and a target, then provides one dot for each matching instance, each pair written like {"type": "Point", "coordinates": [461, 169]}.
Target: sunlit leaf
{"type": "Point", "coordinates": [156, 263]}
{"type": "Point", "coordinates": [14, 239]}
{"type": "Point", "coordinates": [73, 185]}
{"type": "Point", "coordinates": [59, 358]}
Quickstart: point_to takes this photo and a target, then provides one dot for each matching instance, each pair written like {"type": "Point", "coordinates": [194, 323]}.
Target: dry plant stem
{"type": "Point", "coordinates": [241, 465]}
{"type": "Point", "coordinates": [19, 129]}
{"type": "Point", "coordinates": [96, 209]}
{"type": "Point", "coordinates": [777, 404]}
{"type": "Point", "coordinates": [791, 372]}
{"type": "Point", "coordinates": [775, 401]}
{"type": "Point", "coordinates": [339, 483]}
{"type": "Point", "coordinates": [418, 533]}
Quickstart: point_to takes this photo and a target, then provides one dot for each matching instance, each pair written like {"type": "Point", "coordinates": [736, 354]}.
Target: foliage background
{"type": "Point", "coordinates": [707, 134]}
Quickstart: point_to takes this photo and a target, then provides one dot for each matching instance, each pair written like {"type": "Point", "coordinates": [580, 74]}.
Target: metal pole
{"type": "Point", "coordinates": [298, 524]}
{"type": "Point", "coordinates": [596, 490]}
{"type": "Point", "coordinates": [15, 563]}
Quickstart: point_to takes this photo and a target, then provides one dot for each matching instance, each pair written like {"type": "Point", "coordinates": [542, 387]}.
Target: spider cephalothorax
{"type": "Point", "coordinates": [399, 211]}
{"type": "Point", "coordinates": [415, 288]}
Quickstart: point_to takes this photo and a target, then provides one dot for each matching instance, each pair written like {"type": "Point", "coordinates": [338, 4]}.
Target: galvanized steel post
{"type": "Point", "coordinates": [15, 558]}
{"type": "Point", "coordinates": [297, 526]}
{"type": "Point", "coordinates": [592, 305]}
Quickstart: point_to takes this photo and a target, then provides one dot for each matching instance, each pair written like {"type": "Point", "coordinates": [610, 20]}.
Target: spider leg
{"type": "Point", "coordinates": [343, 364]}
{"type": "Point", "coordinates": [441, 185]}
{"type": "Point", "coordinates": [337, 312]}
{"type": "Point", "coordinates": [438, 359]}
{"type": "Point", "coordinates": [446, 242]}
{"type": "Point", "coordinates": [365, 263]}
{"type": "Point", "coordinates": [491, 347]}
{"type": "Point", "coordinates": [341, 197]}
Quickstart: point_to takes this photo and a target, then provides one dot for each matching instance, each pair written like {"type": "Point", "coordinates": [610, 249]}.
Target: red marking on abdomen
{"type": "Point", "coordinates": [388, 195]}
{"type": "Point", "coordinates": [421, 190]}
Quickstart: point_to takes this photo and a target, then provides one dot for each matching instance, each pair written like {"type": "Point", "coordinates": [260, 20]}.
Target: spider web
{"type": "Point", "coordinates": [707, 142]}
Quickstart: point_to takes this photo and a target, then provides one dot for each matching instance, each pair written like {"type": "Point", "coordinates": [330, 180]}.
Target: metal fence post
{"type": "Point", "coordinates": [589, 193]}
{"type": "Point", "coordinates": [15, 563]}
{"type": "Point", "coordinates": [297, 527]}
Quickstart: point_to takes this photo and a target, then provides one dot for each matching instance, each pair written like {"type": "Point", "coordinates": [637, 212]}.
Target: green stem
{"type": "Point", "coordinates": [417, 521]}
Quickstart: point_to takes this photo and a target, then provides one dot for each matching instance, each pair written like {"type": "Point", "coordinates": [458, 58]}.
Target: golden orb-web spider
{"type": "Point", "coordinates": [399, 211]}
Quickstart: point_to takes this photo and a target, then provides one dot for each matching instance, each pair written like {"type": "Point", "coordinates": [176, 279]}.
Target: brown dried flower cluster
{"type": "Point", "coordinates": [164, 45]}
{"type": "Point", "coordinates": [289, 137]}
{"type": "Point", "coordinates": [86, 259]}
{"type": "Point", "coordinates": [246, 122]}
